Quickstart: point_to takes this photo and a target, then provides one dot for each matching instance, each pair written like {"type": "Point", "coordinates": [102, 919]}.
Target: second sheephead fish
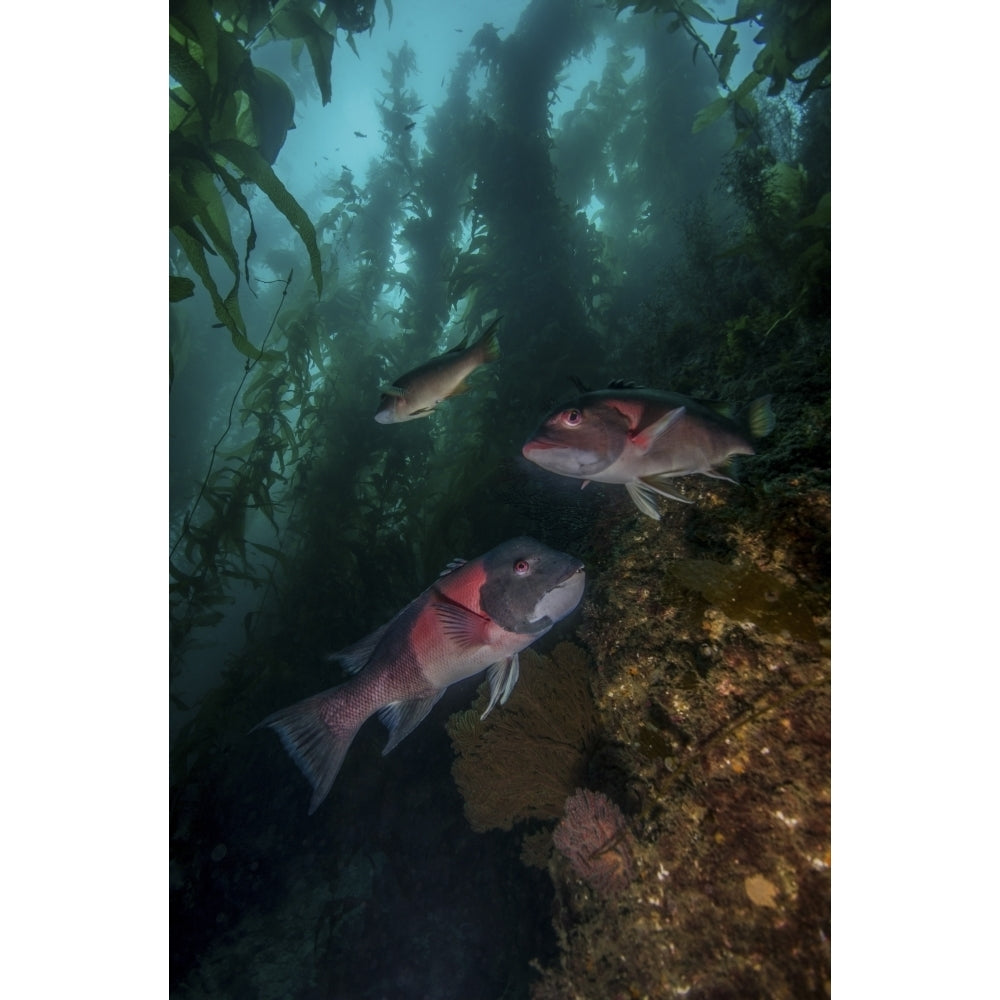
{"type": "Point", "coordinates": [476, 615]}
{"type": "Point", "coordinates": [643, 438]}
{"type": "Point", "coordinates": [418, 392]}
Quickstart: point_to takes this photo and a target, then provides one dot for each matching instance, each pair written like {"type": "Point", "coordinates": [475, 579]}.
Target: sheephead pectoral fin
{"type": "Point", "coordinates": [644, 498]}
{"type": "Point", "coordinates": [463, 627]}
{"type": "Point", "coordinates": [658, 484]}
{"type": "Point", "coordinates": [393, 390]}
{"type": "Point", "coordinates": [643, 440]}
{"type": "Point", "coordinates": [317, 749]}
{"type": "Point", "coordinates": [402, 717]}
{"type": "Point", "coordinates": [502, 677]}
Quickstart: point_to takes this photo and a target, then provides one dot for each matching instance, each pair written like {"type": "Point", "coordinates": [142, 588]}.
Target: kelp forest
{"type": "Point", "coordinates": [634, 193]}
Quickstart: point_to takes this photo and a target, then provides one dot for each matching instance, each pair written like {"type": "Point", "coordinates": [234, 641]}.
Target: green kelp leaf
{"type": "Point", "coordinates": [246, 19]}
{"type": "Point", "coordinates": [194, 249]}
{"type": "Point", "coordinates": [253, 166]}
{"type": "Point", "coordinates": [276, 554]}
{"type": "Point", "coordinates": [726, 51]}
{"type": "Point", "coordinates": [194, 21]}
{"type": "Point", "coordinates": [240, 342]}
{"type": "Point", "coordinates": [745, 10]}
{"type": "Point", "coordinates": [233, 187]}
{"type": "Point", "coordinates": [211, 215]}
{"type": "Point", "coordinates": [691, 9]}
{"type": "Point", "coordinates": [272, 109]}
{"type": "Point", "coordinates": [785, 183]}
{"type": "Point", "coordinates": [180, 288]}
{"type": "Point", "coordinates": [301, 23]}
{"type": "Point", "coordinates": [710, 113]}
{"type": "Point", "coordinates": [227, 309]}
{"type": "Point", "coordinates": [749, 84]}
{"type": "Point", "coordinates": [821, 216]}
{"type": "Point", "coordinates": [819, 77]}
{"type": "Point", "coordinates": [187, 71]}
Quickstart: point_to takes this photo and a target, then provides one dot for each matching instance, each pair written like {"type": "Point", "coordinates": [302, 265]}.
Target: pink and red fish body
{"type": "Point", "coordinates": [477, 615]}
{"type": "Point", "coordinates": [642, 438]}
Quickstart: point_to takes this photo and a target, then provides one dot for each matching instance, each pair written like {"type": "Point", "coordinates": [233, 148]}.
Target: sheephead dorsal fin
{"type": "Point", "coordinates": [719, 406]}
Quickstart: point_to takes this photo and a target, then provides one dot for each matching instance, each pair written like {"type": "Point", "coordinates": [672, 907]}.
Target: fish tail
{"type": "Point", "coordinates": [488, 342]}
{"type": "Point", "coordinates": [760, 417]}
{"type": "Point", "coordinates": [308, 734]}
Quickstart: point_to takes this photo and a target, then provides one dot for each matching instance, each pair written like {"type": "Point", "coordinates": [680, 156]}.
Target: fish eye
{"type": "Point", "coordinates": [571, 418]}
{"type": "Point", "coordinates": [522, 567]}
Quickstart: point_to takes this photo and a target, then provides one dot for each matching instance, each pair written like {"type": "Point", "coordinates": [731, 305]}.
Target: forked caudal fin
{"type": "Point", "coordinates": [312, 744]}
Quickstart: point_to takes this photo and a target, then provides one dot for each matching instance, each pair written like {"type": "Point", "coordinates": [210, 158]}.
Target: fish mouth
{"type": "Point", "coordinates": [541, 443]}
{"type": "Point", "coordinates": [569, 576]}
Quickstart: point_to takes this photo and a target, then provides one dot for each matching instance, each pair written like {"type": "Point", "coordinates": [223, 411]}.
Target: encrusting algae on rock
{"type": "Point", "coordinates": [715, 740]}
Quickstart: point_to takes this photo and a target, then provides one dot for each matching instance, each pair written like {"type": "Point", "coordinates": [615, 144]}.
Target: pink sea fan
{"type": "Point", "coordinates": [593, 836]}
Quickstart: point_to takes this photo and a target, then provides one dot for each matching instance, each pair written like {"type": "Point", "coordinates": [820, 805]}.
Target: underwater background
{"type": "Point", "coordinates": [639, 191]}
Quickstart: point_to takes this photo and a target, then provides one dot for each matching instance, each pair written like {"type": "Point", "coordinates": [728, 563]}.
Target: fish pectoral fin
{"type": "Point", "coordinates": [464, 627]}
{"type": "Point", "coordinates": [393, 390]}
{"type": "Point", "coordinates": [502, 677]}
{"type": "Point", "coordinates": [644, 498]}
{"type": "Point", "coordinates": [643, 440]}
{"type": "Point", "coordinates": [658, 484]}
{"type": "Point", "coordinates": [423, 410]}
{"type": "Point", "coordinates": [402, 717]}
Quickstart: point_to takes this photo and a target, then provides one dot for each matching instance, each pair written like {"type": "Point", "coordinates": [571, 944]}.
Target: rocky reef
{"type": "Point", "coordinates": [710, 635]}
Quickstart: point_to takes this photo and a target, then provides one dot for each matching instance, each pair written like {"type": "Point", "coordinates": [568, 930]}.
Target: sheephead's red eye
{"type": "Point", "coordinates": [521, 567]}
{"type": "Point", "coordinates": [571, 418]}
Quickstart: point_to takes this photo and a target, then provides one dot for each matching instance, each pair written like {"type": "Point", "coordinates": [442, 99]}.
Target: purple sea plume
{"type": "Point", "coordinates": [593, 836]}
